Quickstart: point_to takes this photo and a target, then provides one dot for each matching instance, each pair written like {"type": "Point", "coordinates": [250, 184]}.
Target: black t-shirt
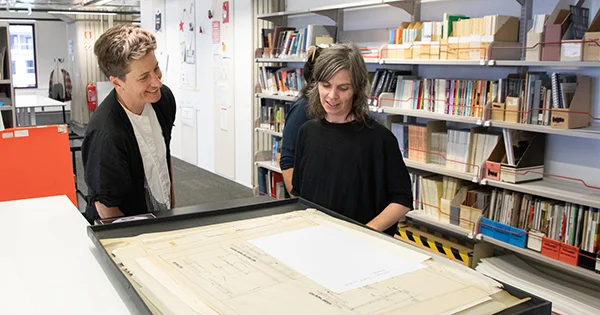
{"type": "Point", "coordinates": [354, 169]}
{"type": "Point", "coordinates": [114, 170]}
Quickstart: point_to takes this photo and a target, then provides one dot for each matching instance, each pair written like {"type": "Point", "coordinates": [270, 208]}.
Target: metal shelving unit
{"type": "Point", "coordinates": [421, 217]}
{"type": "Point", "coordinates": [276, 97]}
{"type": "Point", "coordinates": [290, 60]}
{"type": "Point", "coordinates": [590, 132]}
{"type": "Point", "coordinates": [438, 169]}
{"type": "Point", "coordinates": [269, 131]}
{"type": "Point", "coordinates": [387, 61]}
{"type": "Point", "coordinates": [557, 264]}
{"type": "Point", "coordinates": [564, 190]}
{"type": "Point", "coordinates": [268, 165]}
{"type": "Point", "coordinates": [549, 64]}
{"type": "Point", "coordinates": [431, 115]}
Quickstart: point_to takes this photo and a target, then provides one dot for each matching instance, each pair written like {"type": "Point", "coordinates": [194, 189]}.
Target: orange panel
{"type": "Point", "coordinates": [36, 162]}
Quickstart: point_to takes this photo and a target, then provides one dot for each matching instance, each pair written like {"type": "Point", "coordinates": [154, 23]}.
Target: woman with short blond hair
{"type": "Point", "coordinates": [346, 161]}
{"type": "Point", "coordinates": [125, 151]}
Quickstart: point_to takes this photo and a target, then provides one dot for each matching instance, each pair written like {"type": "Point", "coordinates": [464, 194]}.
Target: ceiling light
{"type": "Point", "coordinates": [82, 12]}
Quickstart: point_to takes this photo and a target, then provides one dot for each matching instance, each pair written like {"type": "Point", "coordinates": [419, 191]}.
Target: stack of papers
{"type": "Point", "coordinates": [302, 262]}
{"type": "Point", "coordinates": [566, 297]}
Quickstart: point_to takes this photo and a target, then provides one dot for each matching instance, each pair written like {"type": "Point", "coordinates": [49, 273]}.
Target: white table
{"type": "Point", "coordinates": [26, 104]}
{"type": "Point", "coordinates": [48, 264]}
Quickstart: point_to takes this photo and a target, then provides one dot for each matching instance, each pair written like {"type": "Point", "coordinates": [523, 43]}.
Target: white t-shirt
{"type": "Point", "coordinates": [148, 134]}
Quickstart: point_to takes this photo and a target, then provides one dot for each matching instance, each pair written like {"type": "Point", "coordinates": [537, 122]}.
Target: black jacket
{"type": "Point", "coordinates": [114, 171]}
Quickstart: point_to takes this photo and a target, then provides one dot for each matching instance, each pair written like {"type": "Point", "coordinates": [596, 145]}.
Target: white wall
{"type": "Point", "coordinates": [202, 98]}
{"type": "Point", "coordinates": [243, 64]}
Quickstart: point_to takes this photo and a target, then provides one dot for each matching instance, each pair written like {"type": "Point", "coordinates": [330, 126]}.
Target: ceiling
{"type": "Point", "coordinates": [121, 6]}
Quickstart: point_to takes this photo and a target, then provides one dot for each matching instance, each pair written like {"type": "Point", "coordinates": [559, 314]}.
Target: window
{"type": "Point", "coordinates": [22, 50]}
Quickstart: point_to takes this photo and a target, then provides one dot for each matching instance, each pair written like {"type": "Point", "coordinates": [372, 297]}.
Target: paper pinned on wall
{"type": "Point", "coordinates": [223, 117]}
{"type": "Point", "coordinates": [336, 259]}
{"type": "Point", "coordinates": [187, 116]}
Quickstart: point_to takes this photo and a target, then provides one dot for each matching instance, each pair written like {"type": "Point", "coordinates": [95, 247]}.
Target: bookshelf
{"type": "Point", "coordinates": [431, 115]}
{"type": "Point", "coordinates": [591, 132]}
{"type": "Point", "coordinates": [268, 165]}
{"type": "Point", "coordinates": [276, 97]}
{"type": "Point", "coordinates": [553, 188]}
{"type": "Point", "coordinates": [420, 217]}
{"type": "Point", "coordinates": [269, 132]}
{"type": "Point", "coordinates": [560, 190]}
{"type": "Point", "coordinates": [578, 272]}
{"type": "Point", "coordinates": [287, 60]}
{"type": "Point", "coordinates": [438, 169]}
{"type": "Point", "coordinates": [388, 61]}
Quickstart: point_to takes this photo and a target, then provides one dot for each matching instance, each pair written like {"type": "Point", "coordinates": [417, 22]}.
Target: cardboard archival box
{"type": "Point", "coordinates": [571, 50]}
{"type": "Point", "coordinates": [555, 28]}
{"type": "Point", "coordinates": [498, 111]}
{"type": "Point", "coordinates": [464, 45]}
{"type": "Point", "coordinates": [452, 48]}
{"type": "Point", "coordinates": [502, 45]}
{"type": "Point", "coordinates": [435, 50]}
{"type": "Point", "coordinates": [512, 109]}
{"type": "Point", "coordinates": [576, 115]}
{"type": "Point", "coordinates": [533, 52]}
{"type": "Point", "coordinates": [444, 46]}
{"type": "Point", "coordinates": [591, 48]}
{"type": "Point", "coordinates": [492, 167]}
{"type": "Point", "coordinates": [531, 164]}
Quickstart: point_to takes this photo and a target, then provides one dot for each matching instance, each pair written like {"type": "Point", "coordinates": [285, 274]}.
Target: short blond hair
{"type": "Point", "coordinates": [119, 46]}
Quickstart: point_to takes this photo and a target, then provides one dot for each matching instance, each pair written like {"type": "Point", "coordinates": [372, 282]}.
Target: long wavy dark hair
{"type": "Point", "coordinates": [331, 60]}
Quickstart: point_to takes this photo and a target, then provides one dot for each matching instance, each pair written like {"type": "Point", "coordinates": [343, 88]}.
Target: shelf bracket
{"type": "Point", "coordinates": [409, 6]}
{"type": "Point", "coordinates": [526, 16]}
{"type": "Point", "coordinates": [333, 14]}
{"type": "Point", "coordinates": [277, 20]}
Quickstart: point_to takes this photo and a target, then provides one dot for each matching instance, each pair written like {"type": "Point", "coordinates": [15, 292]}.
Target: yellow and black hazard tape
{"type": "Point", "coordinates": [435, 244]}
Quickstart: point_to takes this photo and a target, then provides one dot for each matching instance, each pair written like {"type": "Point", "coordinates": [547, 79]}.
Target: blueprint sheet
{"type": "Point", "coordinates": [216, 269]}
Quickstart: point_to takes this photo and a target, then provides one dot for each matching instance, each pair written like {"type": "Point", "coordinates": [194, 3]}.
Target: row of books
{"type": "Point", "coordinates": [460, 150]}
{"type": "Point", "coordinates": [452, 25]}
{"type": "Point", "coordinates": [271, 183]}
{"type": "Point", "coordinates": [272, 115]}
{"type": "Point", "coordinates": [530, 98]}
{"type": "Point", "coordinates": [565, 222]}
{"type": "Point", "coordinates": [444, 96]}
{"type": "Point", "coordinates": [384, 80]}
{"type": "Point", "coordinates": [286, 42]}
{"type": "Point", "coordinates": [280, 81]}
{"type": "Point", "coordinates": [462, 203]}
{"type": "Point", "coordinates": [527, 99]}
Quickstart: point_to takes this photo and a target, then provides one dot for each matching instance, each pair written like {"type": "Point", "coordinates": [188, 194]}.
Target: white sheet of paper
{"type": "Point", "coordinates": [335, 259]}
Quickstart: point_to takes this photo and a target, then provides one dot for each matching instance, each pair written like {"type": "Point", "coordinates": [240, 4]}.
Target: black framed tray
{"type": "Point", "coordinates": [235, 210]}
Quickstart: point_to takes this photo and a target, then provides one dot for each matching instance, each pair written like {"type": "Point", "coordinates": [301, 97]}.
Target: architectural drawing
{"type": "Point", "coordinates": [216, 270]}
